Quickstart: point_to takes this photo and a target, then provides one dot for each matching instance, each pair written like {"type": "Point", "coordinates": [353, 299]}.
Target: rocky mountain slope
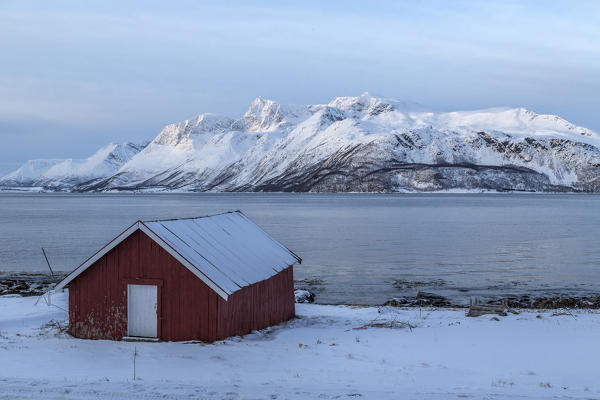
{"type": "Point", "coordinates": [57, 174]}
{"type": "Point", "coordinates": [358, 144]}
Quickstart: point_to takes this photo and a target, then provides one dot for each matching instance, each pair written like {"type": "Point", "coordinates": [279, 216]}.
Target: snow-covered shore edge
{"type": "Point", "coordinates": [36, 284]}
{"type": "Point", "coordinates": [326, 352]}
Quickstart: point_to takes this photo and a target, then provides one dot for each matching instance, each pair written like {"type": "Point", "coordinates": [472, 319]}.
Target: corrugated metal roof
{"type": "Point", "coordinates": [227, 251]}
{"type": "Point", "coordinates": [230, 249]}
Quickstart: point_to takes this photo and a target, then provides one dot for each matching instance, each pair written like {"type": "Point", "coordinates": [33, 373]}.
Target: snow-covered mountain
{"type": "Point", "coordinates": [60, 174]}
{"type": "Point", "coordinates": [362, 143]}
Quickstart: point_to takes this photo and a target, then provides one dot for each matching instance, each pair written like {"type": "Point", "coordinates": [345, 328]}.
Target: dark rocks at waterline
{"type": "Point", "coordinates": [550, 303]}
{"type": "Point", "coordinates": [306, 290]}
{"type": "Point", "coordinates": [423, 299]}
{"type": "Point", "coordinates": [313, 285]}
{"type": "Point", "coordinates": [303, 296]}
{"type": "Point", "coordinates": [28, 284]}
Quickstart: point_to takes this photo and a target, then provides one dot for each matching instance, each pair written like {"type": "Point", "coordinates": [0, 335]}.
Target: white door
{"type": "Point", "coordinates": [142, 308]}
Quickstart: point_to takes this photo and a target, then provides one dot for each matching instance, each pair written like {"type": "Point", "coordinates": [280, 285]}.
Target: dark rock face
{"type": "Point", "coordinates": [372, 167]}
{"type": "Point", "coordinates": [414, 177]}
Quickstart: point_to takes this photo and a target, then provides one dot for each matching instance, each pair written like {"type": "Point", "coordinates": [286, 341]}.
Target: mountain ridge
{"type": "Point", "coordinates": [356, 144]}
{"type": "Point", "coordinates": [63, 174]}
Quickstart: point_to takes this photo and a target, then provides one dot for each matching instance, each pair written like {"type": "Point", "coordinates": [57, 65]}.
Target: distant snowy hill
{"type": "Point", "coordinates": [358, 144]}
{"type": "Point", "coordinates": [57, 174]}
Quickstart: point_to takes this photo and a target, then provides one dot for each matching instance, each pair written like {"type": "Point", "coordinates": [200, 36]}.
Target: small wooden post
{"type": "Point", "coordinates": [134, 357]}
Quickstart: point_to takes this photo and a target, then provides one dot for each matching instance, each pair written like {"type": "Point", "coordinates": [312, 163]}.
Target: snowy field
{"type": "Point", "coordinates": [328, 352]}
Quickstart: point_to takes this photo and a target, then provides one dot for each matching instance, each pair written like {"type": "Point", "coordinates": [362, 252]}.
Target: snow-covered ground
{"type": "Point", "coordinates": [327, 352]}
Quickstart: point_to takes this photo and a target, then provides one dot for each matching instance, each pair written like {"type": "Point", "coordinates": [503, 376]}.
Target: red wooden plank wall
{"type": "Point", "coordinates": [189, 309]}
{"type": "Point", "coordinates": [257, 306]}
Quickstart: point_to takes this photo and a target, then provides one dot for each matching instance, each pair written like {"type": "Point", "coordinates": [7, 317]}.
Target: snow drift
{"type": "Point", "coordinates": [363, 144]}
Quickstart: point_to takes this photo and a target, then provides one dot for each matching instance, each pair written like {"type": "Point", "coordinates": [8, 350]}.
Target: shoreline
{"type": "Point", "coordinates": [36, 284]}
{"type": "Point", "coordinates": [27, 284]}
{"type": "Point", "coordinates": [40, 190]}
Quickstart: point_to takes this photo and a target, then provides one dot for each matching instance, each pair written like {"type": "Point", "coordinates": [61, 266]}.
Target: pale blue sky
{"type": "Point", "coordinates": [77, 75]}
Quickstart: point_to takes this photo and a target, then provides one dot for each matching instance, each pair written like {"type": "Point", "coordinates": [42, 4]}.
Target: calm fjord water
{"type": "Point", "coordinates": [354, 246]}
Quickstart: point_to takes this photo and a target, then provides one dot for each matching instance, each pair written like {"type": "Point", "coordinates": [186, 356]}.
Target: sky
{"type": "Point", "coordinates": [76, 75]}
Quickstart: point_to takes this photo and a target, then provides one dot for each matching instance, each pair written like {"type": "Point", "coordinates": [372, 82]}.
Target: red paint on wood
{"type": "Point", "coordinates": [257, 306]}
{"type": "Point", "coordinates": [188, 308]}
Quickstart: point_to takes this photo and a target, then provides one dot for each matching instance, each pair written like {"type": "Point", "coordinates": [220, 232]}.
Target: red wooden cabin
{"type": "Point", "coordinates": [202, 279]}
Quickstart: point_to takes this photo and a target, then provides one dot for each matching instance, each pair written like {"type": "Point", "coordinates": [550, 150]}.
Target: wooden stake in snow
{"type": "Point", "coordinates": [47, 262]}
{"type": "Point", "coordinates": [134, 356]}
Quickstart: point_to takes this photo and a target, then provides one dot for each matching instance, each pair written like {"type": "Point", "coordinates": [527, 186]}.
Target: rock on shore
{"type": "Point", "coordinates": [27, 284]}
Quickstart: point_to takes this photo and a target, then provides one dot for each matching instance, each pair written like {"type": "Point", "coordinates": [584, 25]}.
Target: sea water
{"type": "Point", "coordinates": [356, 248]}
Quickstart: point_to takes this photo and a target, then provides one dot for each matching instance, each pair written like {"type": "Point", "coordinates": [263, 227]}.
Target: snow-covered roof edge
{"type": "Point", "coordinates": [140, 225]}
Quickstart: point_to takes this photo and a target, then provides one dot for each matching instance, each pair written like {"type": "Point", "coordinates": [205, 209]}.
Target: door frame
{"type": "Point", "coordinates": [151, 282]}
